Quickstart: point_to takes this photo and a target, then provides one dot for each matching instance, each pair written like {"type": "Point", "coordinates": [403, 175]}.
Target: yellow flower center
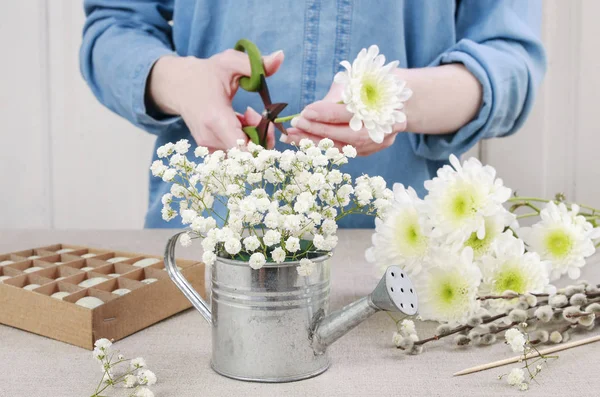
{"type": "Point", "coordinates": [370, 94]}
{"type": "Point", "coordinates": [409, 238]}
{"type": "Point", "coordinates": [558, 243]}
{"type": "Point", "coordinates": [510, 278]}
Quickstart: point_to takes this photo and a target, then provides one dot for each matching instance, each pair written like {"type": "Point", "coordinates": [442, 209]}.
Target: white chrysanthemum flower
{"type": "Point", "coordinates": [373, 93]}
{"type": "Point", "coordinates": [402, 237]}
{"type": "Point", "coordinates": [461, 198]}
{"type": "Point", "coordinates": [510, 268]}
{"type": "Point", "coordinates": [448, 286]}
{"type": "Point", "coordinates": [494, 226]}
{"type": "Point", "coordinates": [561, 237]}
{"type": "Point", "coordinates": [257, 260]}
{"type": "Point", "coordinates": [516, 377]}
{"type": "Point", "coordinates": [515, 339]}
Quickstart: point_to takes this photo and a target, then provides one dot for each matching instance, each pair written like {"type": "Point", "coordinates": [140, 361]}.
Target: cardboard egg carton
{"type": "Point", "coordinates": [78, 294]}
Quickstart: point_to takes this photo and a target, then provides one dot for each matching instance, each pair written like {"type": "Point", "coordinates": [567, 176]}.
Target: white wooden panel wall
{"type": "Point", "coordinates": [100, 161]}
{"type": "Point", "coordinates": [25, 199]}
{"type": "Point", "coordinates": [67, 162]}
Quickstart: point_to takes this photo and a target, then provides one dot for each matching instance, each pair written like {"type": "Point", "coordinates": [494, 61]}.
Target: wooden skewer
{"type": "Point", "coordinates": [511, 360]}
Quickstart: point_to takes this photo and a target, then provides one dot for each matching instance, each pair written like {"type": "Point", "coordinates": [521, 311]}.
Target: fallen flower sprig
{"type": "Point", "coordinates": [116, 371]}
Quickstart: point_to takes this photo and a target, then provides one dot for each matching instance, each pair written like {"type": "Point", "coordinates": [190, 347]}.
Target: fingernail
{"type": "Point", "coordinates": [303, 124]}
{"type": "Point", "coordinates": [273, 55]}
{"type": "Point", "coordinates": [283, 138]}
{"type": "Point", "coordinates": [309, 114]}
{"type": "Point", "coordinates": [294, 121]}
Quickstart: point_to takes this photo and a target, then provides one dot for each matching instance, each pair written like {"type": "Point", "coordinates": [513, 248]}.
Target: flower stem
{"type": "Point", "coordinates": [286, 118]}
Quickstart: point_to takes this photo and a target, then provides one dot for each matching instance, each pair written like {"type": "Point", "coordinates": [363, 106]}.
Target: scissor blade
{"type": "Point", "coordinates": [275, 109]}
{"type": "Point", "coordinates": [264, 91]}
{"type": "Point", "coordinates": [262, 129]}
{"type": "Point", "coordinates": [281, 128]}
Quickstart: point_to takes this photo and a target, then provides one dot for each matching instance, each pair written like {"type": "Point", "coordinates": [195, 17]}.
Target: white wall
{"type": "Point", "coordinates": [67, 162]}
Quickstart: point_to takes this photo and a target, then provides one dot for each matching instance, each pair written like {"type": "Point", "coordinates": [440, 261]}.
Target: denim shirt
{"type": "Point", "coordinates": [497, 40]}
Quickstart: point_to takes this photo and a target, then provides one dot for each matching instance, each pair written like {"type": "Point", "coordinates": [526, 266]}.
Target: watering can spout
{"type": "Point", "coordinates": [395, 292]}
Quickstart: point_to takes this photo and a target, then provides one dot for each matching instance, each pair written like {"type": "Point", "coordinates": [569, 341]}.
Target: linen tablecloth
{"type": "Point", "coordinates": [364, 362]}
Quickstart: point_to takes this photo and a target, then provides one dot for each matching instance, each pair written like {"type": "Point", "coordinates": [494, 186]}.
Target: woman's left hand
{"type": "Point", "coordinates": [329, 119]}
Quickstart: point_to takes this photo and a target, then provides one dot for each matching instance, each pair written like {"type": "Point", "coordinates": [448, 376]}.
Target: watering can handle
{"type": "Point", "coordinates": [180, 281]}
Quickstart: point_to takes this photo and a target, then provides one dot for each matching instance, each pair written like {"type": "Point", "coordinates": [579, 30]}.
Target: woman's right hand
{"type": "Point", "coordinates": [201, 91]}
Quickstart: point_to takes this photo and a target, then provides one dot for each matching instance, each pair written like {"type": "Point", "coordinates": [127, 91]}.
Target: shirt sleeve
{"type": "Point", "coordinates": [499, 43]}
{"type": "Point", "coordinates": [122, 39]}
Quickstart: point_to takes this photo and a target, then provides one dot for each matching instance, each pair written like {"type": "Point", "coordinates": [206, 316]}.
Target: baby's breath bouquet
{"type": "Point", "coordinates": [258, 205]}
{"type": "Point", "coordinates": [479, 273]}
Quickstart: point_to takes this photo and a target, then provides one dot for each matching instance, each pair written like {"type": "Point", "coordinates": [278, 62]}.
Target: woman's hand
{"type": "Point", "coordinates": [329, 119]}
{"type": "Point", "coordinates": [201, 91]}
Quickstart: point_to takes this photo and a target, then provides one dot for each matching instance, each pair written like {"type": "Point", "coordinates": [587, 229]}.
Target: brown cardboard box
{"type": "Point", "coordinates": [121, 315]}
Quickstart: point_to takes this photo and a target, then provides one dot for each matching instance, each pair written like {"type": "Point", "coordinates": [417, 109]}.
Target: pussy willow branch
{"type": "Point", "coordinates": [591, 296]}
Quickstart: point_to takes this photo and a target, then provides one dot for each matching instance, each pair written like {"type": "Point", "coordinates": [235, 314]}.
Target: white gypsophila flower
{"type": "Point", "coordinates": [182, 146]}
{"type": "Point", "coordinates": [185, 240]}
{"type": "Point", "coordinates": [99, 354]}
{"type": "Point", "coordinates": [130, 381]}
{"type": "Point", "coordinates": [233, 246]}
{"type": "Point", "coordinates": [146, 377]}
{"type": "Point", "coordinates": [137, 363]}
{"type": "Point", "coordinates": [201, 151]}
{"type": "Point", "coordinates": [306, 267]}
{"type": "Point", "coordinates": [561, 237]}
{"type": "Point", "coordinates": [158, 168]}
{"type": "Point", "coordinates": [257, 260]}
{"type": "Point", "coordinates": [461, 197]}
{"type": "Point", "coordinates": [278, 255]}
{"type": "Point", "coordinates": [309, 194]}
{"type": "Point", "coordinates": [447, 287]}
{"type": "Point", "coordinates": [397, 339]}
{"type": "Point", "coordinates": [103, 344]}
{"type": "Point", "coordinates": [402, 237]}
{"type": "Point", "coordinates": [516, 377]}
{"type": "Point", "coordinates": [510, 268]}
{"type": "Point", "coordinates": [407, 328]}
{"type": "Point", "coordinates": [209, 257]}
{"type": "Point", "coordinates": [251, 243]}
{"type": "Point", "coordinates": [515, 339]}
{"type": "Point", "coordinates": [292, 244]}
{"type": "Point", "coordinates": [143, 392]}
{"type": "Point", "coordinates": [373, 93]}
{"type": "Point", "coordinates": [271, 237]}
{"type": "Point", "coordinates": [349, 151]}
{"type": "Point", "coordinates": [165, 150]}
{"type": "Point", "coordinates": [169, 174]}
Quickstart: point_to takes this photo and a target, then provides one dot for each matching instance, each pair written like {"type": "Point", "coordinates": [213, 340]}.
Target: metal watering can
{"type": "Point", "coordinates": [273, 325]}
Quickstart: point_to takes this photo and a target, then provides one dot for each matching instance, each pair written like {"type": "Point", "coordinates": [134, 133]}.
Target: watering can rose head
{"type": "Point", "coordinates": [279, 206]}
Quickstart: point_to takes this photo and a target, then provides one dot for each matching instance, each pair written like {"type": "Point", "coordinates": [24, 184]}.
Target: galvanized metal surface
{"type": "Point", "coordinates": [271, 324]}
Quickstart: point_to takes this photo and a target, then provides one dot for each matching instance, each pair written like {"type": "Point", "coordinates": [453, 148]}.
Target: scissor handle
{"type": "Point", "coordinates": [257, 69]}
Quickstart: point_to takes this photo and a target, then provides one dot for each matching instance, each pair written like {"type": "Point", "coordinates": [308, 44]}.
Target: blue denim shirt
{"type": "Point", "coordinates": [497, 40]}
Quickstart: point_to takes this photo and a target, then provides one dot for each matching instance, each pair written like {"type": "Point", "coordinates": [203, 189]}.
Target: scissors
{"type": "Point", "coordinates": [257, 82]}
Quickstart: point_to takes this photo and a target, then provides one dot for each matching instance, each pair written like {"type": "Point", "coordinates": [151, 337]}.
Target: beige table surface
{"type": "Point", "coordinates": [364, 362]}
